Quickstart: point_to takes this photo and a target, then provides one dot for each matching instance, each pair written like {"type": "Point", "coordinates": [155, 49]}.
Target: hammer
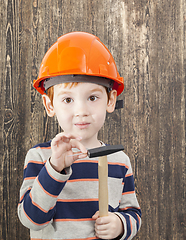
{"type": "Point", "coordinates": [101, 153]}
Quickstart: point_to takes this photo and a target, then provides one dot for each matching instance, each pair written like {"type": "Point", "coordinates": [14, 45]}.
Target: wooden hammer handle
{"type": "Point", "coordinates": [103, 186]}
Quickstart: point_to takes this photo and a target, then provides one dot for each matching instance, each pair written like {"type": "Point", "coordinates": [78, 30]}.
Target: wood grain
{"type": "Point", "coordinates": [147, 40]}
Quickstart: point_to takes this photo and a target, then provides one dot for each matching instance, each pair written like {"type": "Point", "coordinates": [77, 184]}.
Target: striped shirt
{"type": "Point", "coordinates": [61, 205]}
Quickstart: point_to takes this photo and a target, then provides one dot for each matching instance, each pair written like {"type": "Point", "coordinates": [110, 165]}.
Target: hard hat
{"type": "Point", "coordinates": [78, 53]}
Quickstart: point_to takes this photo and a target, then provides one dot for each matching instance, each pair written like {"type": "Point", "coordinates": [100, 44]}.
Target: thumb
{"type": "Point", "coordinates": [96, 215]}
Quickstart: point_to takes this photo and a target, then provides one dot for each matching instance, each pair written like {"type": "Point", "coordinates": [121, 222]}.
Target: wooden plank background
{"type": "Point", "coordinates": [148, 41]}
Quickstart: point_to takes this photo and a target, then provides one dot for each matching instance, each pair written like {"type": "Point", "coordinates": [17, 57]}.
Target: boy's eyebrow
{"type": "Point", "coordinates": [96, 89]}
{"type": "Point", "coordinates": [63, 92]}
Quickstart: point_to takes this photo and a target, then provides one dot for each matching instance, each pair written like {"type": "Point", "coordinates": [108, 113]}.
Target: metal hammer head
{"type": "Point", "coordinates": [105, 150]}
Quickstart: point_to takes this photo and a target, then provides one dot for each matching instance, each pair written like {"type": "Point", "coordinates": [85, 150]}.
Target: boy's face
{"type": "Point", "coordinates": [81, 109]}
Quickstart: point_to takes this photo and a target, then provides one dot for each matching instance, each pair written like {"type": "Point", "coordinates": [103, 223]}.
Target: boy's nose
{"type": "Point", "coordinates": [81, 110]}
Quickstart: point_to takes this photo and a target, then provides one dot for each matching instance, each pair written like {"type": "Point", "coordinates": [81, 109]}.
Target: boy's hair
{"type": "Point", "coordinates": [50, 91]}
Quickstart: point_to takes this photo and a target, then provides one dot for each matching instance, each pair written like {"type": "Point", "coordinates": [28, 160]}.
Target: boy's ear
{"type": "Point", "coordinates": [48, 105]}
{"type": "Point", "coordinates": [112, 101]}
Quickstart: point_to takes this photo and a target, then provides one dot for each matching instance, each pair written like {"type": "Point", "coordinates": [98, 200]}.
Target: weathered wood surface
{"type": "Point", "coordinates": [147, 40]}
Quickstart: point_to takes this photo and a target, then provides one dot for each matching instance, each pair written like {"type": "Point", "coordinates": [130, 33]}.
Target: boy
{"type": "Point", "coordinates": [79, 83]}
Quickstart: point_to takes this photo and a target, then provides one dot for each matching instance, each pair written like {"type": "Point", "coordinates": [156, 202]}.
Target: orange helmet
{"type": "Point", "coordinates": [78, 53]}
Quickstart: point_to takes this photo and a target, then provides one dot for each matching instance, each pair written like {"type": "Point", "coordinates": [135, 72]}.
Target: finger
{"type": "Point", "coordinates": [103, 220]}
{"type": "Point", "coordinates": [77, 144]}
{"type": "Point", "coordinates": [84, 155]}
{"type": "Point", "coordinates": [96, 215]}
{"type": "Point", "coordinates": [63, 137]}
{"type": "Point", "coordinates": [58, 138]}
{"type": "Point", "coordinates": [103, 234]}
{"type": "Point", "coordinates": [77, 155]}
{"type": "Point", "coordinates": [101, 228]}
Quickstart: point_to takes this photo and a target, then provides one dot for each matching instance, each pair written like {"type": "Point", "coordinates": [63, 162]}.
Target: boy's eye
{"type": "Point", "coordinates": [92, 98]}
{"type": "Point", "coordinates": [68, 100]}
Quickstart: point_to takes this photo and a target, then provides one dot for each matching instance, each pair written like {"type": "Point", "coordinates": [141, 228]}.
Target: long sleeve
{"type": "Point", "coordinates": [129, 210]}
{"type": "Point", "coordinates": [40, 189]}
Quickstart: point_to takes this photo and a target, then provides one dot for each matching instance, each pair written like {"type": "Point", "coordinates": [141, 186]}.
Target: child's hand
{"type": "Point", "coordinates": [61, 147]}
{"type": "Point", "coordinates": [108, 227]}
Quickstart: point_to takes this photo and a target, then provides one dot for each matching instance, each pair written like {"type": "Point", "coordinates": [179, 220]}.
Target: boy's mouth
{"type": "Point", "coordinates": [82, 125]}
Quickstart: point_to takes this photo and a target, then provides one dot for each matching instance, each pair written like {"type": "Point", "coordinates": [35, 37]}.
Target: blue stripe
{"type": "Point", "coordinates": [89, 170]}
{"type": "Point", "coordinates": [76, 210]}
{"type": "Point", "coordinates": [35, 213]}
{"type": "Point", "coordinates": [116, 171]}
{"type": "Point", "coordinates": [129, 184]}
{"type": "Point", "coordinates": [43, 145]}
{"type": "Point", "coordinates": [85, 170]}
{"type": "Point", "coordinates": [49, 184]}
{"type": "Point", "coordinates": [27, 192]}
{"type": "Point", "coordinates": [32, 170]}
{"type": "Point", "coordinates": [128, 226]}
